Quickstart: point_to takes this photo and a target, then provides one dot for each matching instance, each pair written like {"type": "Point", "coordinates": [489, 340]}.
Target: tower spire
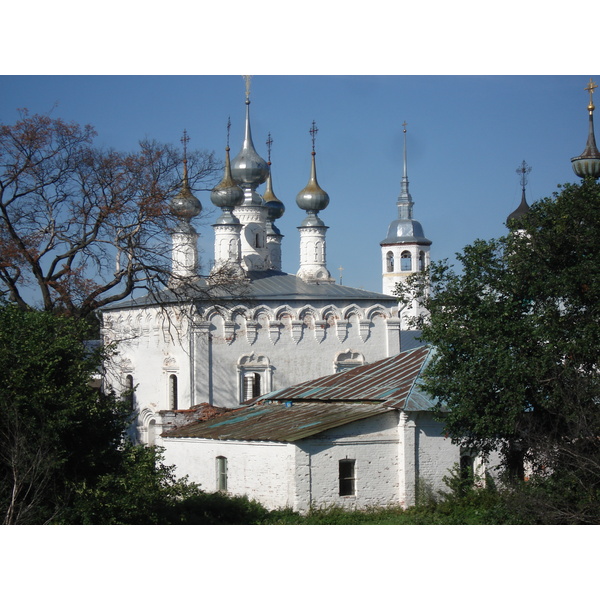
{"type": "Point", "coordinates": [587, 164]}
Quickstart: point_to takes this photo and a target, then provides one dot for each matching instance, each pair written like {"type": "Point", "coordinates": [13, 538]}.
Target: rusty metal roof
{"type": "Point", "coordinates": [315, 406]}
{"type": "Point", "coordinates": [278, 422]}
{"type": "Point", "coordinates": [390, 380]}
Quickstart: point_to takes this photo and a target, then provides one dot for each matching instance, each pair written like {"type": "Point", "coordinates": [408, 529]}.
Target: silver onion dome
{"type": "Point", "coordinates": [185, 205]}
{"type": "Point", "coordinates": [227, 193]}
{"type": "Point", "coordinates": [312, 198]}
{"type": "Point", "coordinates": [248, 168]}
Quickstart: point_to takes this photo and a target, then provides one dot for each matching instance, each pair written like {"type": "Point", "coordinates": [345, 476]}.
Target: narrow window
{"type": "Point", "coordinates": [173, 392]}
{"type": "Point", "coordinates": [151, 432]}
{"type": "Point", "coordinates": [390, 262]}
{"type": "Point", "coordinates": [406, 261]}
{"type": "Point", "coordinates": [466, 467]}
{"type": "Point", "coordinates": [128, 393]}
{"type": "Point", "coordinates": [251, 386]}
{"type": "Point", "coordinates": [221, 474]}
{"type": "Point", "coordinates": [421, 261]}
{"type": "Point", "coordinates": [347, 477]}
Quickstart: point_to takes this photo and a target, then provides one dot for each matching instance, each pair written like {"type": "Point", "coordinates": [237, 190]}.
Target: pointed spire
{"type": "Point", "coordinates": [404, 202]}
{"type": "Point", "coordinates": [275, 206]}
{"type": "Point", "coordinates": [523, 208]}
{"type": "Point", "coordinates": [227, 194]}
{"type": "Point", "coordinates": [587, 164]}
{"type": "Point", "coordinates": [248, 169]}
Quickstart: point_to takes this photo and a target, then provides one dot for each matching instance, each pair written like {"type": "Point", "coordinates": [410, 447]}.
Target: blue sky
{"type": "Point", "coordinates": [466, 137]}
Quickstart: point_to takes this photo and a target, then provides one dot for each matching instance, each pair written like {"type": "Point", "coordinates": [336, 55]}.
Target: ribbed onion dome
{"type": "Point", "coordinates": [587, 164]}
{"type": "Point", "coordinates": [248, 168]}
{"type": "Point", "coordinates": [274, 204]}
{"type": "Point", "coordinates": [185, 205]}
{"type": "Point", "coordinates": [227, 193]}
{"type": "Point", "coordinates": [312, 198]}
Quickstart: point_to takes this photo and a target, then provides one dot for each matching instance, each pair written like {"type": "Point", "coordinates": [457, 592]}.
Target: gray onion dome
{"type": "Point", "coordinates": [185, 205]}
{"type": "Point", "coordinates": [248, 168]}
{"type": "Point", "coordinates": [227, 193]}
{"type": "Point", "coordinates": [275, 206]}
{"type": "Point", "coordinates": [312, 198]}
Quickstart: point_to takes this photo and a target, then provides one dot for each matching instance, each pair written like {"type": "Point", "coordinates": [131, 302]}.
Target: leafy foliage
{"type": "Point", "coordinates": [517, 333]}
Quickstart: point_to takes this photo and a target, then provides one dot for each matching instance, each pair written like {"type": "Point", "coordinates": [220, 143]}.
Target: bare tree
{"type": "Point", "coordinates": [82, 227]}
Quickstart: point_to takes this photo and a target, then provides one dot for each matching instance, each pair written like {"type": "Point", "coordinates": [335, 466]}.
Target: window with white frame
{"type": "Point", "coordinates": [255, 376]}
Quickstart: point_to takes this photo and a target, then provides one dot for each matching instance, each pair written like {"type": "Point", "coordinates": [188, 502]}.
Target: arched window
{"type": "Point", "coordinates": [251, 386]}
{"type": "Point", "coordinates": [421, 261]}
{"type": "Point", "coordinates": [406, 261]}
{"type": "Point", "coordinates": [151, 432]}
{"type": "Point", "coordinates": [221, 473]}
{"type": "Point", "coordinates": [389, 260]}
{"type": "Point", "coordinates": [128, 392]}
{"type": "Point", "coordinates": [173, 394]}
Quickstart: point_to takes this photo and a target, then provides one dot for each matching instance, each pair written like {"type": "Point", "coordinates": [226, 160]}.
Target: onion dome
{"type": "Point", "coordinates": [248, 168]}
{"type": "Point", "coordinates": [274, 205]}
{"type": "Point", "coordinates": [227, 194]}
{"type": "Point", "coordinates": [587, 164]}
{"type": "Point", "coordinates": [313, 198]}
{"type": "Point", "coordinates": [185, 205]}
{"type": "Point", "coordinates": [523, 208]}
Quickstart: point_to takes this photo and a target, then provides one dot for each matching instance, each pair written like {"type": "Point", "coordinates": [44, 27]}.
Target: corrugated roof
{"type": "Point", "coordinates": [390, 380]}
{"type": "Point", "coordinates": [268, 285]}
{"type": "Point", "coordinates": [278, 422]}
{"type": "Point", "coordinates": [315, 406]}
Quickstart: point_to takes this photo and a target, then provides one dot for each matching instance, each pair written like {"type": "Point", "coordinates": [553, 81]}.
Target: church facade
{"type": "Point", "coordinates": [267, 331]}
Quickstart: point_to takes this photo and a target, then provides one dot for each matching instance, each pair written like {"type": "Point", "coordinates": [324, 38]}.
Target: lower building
{"type": "Point", "coordinates": [360, 438]}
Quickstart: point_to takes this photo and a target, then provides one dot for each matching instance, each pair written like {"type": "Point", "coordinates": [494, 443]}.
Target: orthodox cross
{"type": "Point", "coordinates": [247, 79]}
{"type": "Point", "coordinates": [269, 144]}
{"type": "Point", "coordinates": [184, 140]}
{"type": "Point", "coordinates": [313, 132]}
{"type": "Point", "coordinates": [228, 128]}
{"type": "Point", "coordinates": [340, 269]}
{"type": "Point", "coordinates": [404, 126]}
{"type": "Point", "coordinates": [523, 171]}
{"type": "Point", "coordinates": [591, 86]}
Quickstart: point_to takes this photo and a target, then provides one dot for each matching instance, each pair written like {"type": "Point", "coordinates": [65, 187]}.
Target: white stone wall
{"type": "Point", "coordinates": [263, 471]}
{"type": "Point", "coordinates": [372, 443]}
{"type": "Point", "coordinates": [436, 454]}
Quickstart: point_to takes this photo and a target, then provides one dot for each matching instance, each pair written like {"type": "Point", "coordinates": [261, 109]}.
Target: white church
{"type": "Point", "coordinates": [213, 362]}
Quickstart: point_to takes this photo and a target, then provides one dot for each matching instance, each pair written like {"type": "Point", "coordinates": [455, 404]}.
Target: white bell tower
{"type": "Point", "coordinates": [405, 250]}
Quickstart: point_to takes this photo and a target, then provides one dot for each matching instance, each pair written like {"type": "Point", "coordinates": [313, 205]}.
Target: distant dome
{"type": "Point", "coordinates": [520, 211]}
{"type": "Point", "coordinates": [274, 205]}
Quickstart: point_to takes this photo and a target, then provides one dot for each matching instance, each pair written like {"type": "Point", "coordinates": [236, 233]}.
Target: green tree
{"type": "Point", "coordinates": [57, 429]}
{"type": "Point", "coordinates": [517, 334]}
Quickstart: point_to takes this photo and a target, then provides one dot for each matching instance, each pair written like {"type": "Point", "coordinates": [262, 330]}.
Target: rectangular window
{"type": "Point", "coordinates": [221, 473]}
{"type": "Point", "coordinates": [347, 477]}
